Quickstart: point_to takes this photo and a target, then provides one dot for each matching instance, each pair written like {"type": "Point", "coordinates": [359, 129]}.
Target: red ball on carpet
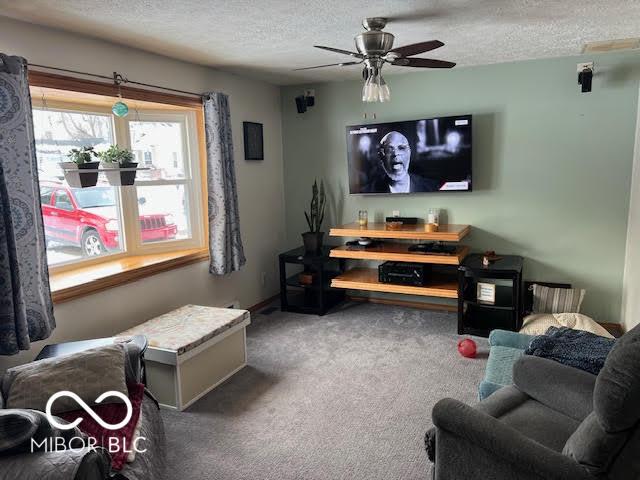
{"type": "Point", "coordinates": [467, 348]}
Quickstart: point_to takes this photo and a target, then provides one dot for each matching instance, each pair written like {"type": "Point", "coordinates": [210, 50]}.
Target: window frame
{"type": "Point", "coordinates": [192, 129]}
{"type": "Point", "coordinates": [193, 195]}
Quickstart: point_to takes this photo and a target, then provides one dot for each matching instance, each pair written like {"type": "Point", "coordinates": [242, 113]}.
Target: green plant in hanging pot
{"type": "Point", "coordinates": [81, 159]}
{"type": "Point", "coordinates": [312, 239]}
{"type": "Point", "coordinates": [116, 159]}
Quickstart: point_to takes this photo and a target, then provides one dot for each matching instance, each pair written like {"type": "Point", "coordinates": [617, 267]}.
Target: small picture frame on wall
{"type": "Point", "coordinates": [253, 146]}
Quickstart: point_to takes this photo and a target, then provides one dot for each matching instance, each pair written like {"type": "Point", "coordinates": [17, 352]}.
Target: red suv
{"type": "Point", "coordinates": [87, 217]}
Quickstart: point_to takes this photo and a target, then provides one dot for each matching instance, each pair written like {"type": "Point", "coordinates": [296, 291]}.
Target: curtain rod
{"type": "Point", "coordinates": [117, 79]}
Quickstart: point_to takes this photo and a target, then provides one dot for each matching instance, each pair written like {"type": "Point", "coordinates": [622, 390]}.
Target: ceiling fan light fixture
{"type": "Point", "coordinates": [375, 89]}
{"type": "Point", "coordinates": [374, 48]}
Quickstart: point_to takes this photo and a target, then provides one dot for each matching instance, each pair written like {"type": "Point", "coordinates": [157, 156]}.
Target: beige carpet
{"type": "Point", "coordinates": [344, 396]}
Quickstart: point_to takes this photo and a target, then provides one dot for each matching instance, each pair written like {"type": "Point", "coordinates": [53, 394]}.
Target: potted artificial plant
{"type": "Point", "coordinates": [312, 239]}
{"type": "Point", "coordinates": [114, 159]}
{"type": "Point", "coordinates": [81, 159]}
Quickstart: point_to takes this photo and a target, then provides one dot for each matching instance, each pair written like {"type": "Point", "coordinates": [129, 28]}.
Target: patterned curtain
{"type": "Point", "coordinates": [225, 244]}
{"type": "Point", "coordinates": [26, 309]}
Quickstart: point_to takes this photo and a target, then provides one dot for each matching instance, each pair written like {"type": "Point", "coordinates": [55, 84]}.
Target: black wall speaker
{"type": "Point", "coordinates": [585, 78]}
{"type": "Point", "coordinates": [301, 103]}
{"type": "Point", "coordinates": [310, 95]}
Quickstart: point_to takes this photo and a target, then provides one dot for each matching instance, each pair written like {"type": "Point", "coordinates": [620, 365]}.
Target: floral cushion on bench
{"type": "Point", "coordinates": [187, 327]}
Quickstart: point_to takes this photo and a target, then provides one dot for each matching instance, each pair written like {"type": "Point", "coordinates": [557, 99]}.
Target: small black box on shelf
{"type": "Point", "coordinates": [404, 220]}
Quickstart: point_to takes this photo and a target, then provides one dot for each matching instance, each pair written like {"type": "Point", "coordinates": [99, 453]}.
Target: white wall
{"type": "Point", "coordinates": [631, 282]}
{"type": "Point", "coordinates": [260, 185]}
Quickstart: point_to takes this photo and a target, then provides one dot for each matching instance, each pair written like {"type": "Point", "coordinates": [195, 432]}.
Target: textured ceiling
{"type": "Point", "coordinates": [267, 39]}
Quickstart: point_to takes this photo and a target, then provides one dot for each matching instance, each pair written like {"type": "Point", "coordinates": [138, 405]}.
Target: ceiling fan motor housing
{"type": "Point", "coordinates": [374, 42]}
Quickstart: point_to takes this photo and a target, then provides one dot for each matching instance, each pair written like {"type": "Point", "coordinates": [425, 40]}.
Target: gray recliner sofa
{"type": "Point", "coordinates": [86, 464]}
{"type": "Point", "coordinates": [554, 423]}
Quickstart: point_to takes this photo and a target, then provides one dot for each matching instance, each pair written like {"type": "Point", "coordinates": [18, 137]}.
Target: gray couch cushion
{"type": "Point", "coordinates": [616, 398]}
{"type": "Point", "coordinates": [540, 377]}
{"type": "Point", "coordinates": [541, 423]}
{"type": "Point", "coordinates": [529, 417]}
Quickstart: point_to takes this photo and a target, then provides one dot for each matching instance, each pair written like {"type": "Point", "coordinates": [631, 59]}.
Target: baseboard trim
{"type": "Point", "coordinates": [263, 303]}
{"type": "Point", "coordinates": [405, 303]}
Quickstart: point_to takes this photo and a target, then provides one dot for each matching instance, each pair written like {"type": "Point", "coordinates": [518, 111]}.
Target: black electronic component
{"type": "Point", "coordinates": [438, 248]}
{"type": "Point", "coordinates": [404, 273]}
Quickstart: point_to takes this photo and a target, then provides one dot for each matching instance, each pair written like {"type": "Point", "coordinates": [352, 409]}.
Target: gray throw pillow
{"type": "Point", "coordinates": [88, 374]}
{"type": "Point", "coordinates": [556, 300]}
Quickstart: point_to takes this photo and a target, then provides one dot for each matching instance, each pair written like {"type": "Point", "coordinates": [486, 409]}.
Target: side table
{"type": "Point", "coordinates": [478, 317]}
{"type": "Point", "coordinates": [316, 297]}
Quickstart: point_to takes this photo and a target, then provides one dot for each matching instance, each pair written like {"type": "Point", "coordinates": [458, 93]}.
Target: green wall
{"type": "Point", "coordinates": [552, 166]}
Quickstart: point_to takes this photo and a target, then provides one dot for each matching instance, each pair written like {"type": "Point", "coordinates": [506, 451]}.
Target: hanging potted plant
{"type": "Point", "coordinates": [115, 160]}
{"type": "Point", "coordinates": [312, 239]}
{"type": "Point", "coordinates": [81, 160]}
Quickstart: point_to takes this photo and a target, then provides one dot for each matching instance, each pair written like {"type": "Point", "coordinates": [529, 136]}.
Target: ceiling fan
{"type": "Point", "coordinates": [374, 49]}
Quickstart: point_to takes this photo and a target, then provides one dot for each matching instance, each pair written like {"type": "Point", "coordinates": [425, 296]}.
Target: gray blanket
{"type": "Point", "coordinates": [149, 465]}
{"type": "Point", "coordinates": [79, 464]}
{"type": "Point", "coordinates": [575, 348]}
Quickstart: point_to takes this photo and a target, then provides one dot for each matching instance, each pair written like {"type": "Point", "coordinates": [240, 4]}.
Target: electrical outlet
{"type": "Point", "coordinates": [582, 66]}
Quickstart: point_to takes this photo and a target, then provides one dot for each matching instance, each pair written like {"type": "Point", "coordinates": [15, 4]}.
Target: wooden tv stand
{"type": "Point", "coordinates": [443, 285]}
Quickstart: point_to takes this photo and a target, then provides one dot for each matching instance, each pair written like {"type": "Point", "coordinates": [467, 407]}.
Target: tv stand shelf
{"type": "Point", "coordinates": [442, 285]}
{"type": "Point", "coordinates": [367, 279]}
{"type": "Point", "coordinates": [399, 252]}
{"type": "Point", "coordinates": [446, 233]}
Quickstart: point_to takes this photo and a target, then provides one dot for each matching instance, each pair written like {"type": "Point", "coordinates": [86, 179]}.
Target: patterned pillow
{"type": "Point", "coordinates": [556, 300]}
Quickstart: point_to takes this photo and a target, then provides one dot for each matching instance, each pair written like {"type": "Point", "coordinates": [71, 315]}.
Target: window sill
{"type": "Point", "coordinates": [85, 281]}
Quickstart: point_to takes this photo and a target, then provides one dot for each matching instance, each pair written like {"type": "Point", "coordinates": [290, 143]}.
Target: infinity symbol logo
{"type": "Point", "coordinates": [89, 410]}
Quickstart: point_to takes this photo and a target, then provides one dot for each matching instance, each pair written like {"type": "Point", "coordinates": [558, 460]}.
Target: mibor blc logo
{"type": "Point", "coordinates": [114, 444]}
{"type": "Point", "coordinates": [89, 410]}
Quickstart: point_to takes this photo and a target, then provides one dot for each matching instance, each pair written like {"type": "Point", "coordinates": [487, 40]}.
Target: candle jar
{"type": "Point", "coordinates": [363, 218]}
{"type": "Point", "coordinates": [433, 216]}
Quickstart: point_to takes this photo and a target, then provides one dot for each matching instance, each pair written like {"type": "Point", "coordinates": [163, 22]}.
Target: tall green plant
{"type": "Point", "coordinates": [316, 213]}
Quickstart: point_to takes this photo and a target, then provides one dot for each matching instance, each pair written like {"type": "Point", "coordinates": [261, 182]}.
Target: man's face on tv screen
{"type": "Point", "coordinates": [396, 155]}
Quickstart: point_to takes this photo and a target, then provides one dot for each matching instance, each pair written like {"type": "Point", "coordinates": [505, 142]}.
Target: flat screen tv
{"type": "Point", "coordinates": [428, 155]}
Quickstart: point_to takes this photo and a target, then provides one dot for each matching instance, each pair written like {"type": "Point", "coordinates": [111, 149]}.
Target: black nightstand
{"type": "Point", "coordinates": [316, 297]}
{"type": "Point", "coordinates": [476, 317]}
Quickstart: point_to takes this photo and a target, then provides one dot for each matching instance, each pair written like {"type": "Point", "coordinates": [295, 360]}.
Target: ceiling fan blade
{"type": "Point", "coordinates": [422, 63]}
{"type": "Point", "coordinates": [343, 64]}
{"type": "Point", "coordinates": [344, 52]}
{"type": "Point", "coordinates": [416, 48]}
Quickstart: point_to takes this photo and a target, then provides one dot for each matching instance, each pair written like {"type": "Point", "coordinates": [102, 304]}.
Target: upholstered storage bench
{"type": "Point", "coordinates": [192, 350]}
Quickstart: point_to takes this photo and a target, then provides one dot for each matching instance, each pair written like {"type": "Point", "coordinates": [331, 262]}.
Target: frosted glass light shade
{"type": "Point", "coordinates": [375, 89]}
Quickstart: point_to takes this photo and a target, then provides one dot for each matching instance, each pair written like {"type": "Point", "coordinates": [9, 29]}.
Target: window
{"type": "Point", "coordinates": [159, 214]}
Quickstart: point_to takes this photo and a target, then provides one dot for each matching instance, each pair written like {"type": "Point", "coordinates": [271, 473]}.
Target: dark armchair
{"type": "Point", "coordinates": [555, 423]}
